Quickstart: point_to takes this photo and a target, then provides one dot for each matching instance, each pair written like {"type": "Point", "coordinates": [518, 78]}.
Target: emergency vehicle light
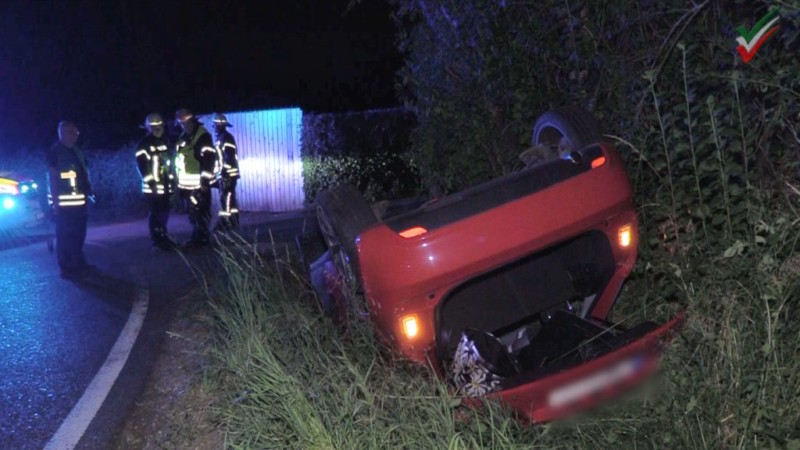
{"type": "Point", "coordinates": [9, 188]}
{"type": "Point", "coordinates": [8, 203]}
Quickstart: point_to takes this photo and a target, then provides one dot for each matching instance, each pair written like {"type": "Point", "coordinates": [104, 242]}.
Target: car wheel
{"type": "Point", "coordinates": [564, 130]}
{"type": "Point", "coordinates": [342, 213]}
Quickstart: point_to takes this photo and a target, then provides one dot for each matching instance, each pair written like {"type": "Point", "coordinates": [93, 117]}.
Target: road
{"type": "Point", "coordinates": [60, 341]}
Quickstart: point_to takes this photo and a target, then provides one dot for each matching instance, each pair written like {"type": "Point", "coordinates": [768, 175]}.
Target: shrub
{"type": "Point", "coordinates": [367, 149]}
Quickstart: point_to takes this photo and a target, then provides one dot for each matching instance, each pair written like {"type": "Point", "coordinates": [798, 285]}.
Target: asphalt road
{"type": "Point", "coordinates": [56, 336]}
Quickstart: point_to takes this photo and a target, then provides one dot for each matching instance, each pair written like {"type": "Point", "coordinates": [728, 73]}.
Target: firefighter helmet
{"type": "Point", "coordinates": [152, 120]}
{"type": "Point", "coordinates": [183, 115]}
{"type": "Point", "coordinates": [220, 120]}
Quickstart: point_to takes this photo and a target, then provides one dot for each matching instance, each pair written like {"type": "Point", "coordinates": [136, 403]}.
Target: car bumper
{"type": "Point", "coordinates": [597, 381]}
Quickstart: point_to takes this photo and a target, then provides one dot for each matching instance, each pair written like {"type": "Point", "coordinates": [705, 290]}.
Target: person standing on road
{"type": "Point", "coordinates": [70, 189]}
{"type": "Point", "coordinates": [227, 176]}
{"type": "Point", "coordinates": [195, 161]}
{"type": "Point", "coordinates": [154, 161]}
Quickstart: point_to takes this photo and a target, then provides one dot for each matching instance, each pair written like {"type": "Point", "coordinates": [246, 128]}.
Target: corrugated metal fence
{"type": "Point", "coordinates": [268, 143]}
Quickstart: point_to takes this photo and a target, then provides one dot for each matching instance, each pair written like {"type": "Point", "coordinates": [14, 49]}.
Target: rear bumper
{"type": "Point", "coordinates": [582, 387]}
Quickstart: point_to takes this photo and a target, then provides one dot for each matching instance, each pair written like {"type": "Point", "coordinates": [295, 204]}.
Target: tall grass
{"type": "Point", "coordinates": [293, 380]}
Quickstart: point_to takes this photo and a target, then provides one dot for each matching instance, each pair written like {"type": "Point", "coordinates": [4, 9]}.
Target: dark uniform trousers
{"type": "Point", "coordinates": [200, 215]}
{"type": "Point", "coordinates": [228, 206]}
{"type": "Point", "coordinates": [159, 206]}
{"type": "Point", "coordinates": [70, 236]}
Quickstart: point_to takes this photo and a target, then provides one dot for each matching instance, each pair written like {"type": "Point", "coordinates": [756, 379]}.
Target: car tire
{"type": "Point", "coordinates": [565, 130]}
{"type": "Point", "coordinates": [342, 213]}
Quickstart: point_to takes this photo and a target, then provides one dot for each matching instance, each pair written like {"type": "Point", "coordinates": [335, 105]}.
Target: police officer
{"type": "Point", "coordinates": [154, 160]}
{"type": "Point", "coordinates": [70, 189]}
{"type": "Point", "coordinates": [195, 161]}
{"type": "Point", "coordinates": [228, 174]}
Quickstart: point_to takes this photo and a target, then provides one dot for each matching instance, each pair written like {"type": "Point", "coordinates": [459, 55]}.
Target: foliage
{"type": "Point", "coordinates": [478, 72]}
{"type": "Point", "coordinates": [116, 182]}
{"type": "Point", "coordinates": [379, 177]}
{"type": "Point", "coordinates": [367, 149]}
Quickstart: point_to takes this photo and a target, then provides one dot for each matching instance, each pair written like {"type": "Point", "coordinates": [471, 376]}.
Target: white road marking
{"type": "Point", "coordinates": [71, 431]}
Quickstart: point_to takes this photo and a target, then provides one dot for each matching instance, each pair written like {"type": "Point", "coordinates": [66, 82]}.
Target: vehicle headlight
{"type": "Point", "coordinates": [8, 203]}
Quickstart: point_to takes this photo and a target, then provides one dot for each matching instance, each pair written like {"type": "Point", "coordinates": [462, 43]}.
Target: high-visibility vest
{"type": "Point", "coordinates": [188, 167]}
{"type": "Point", "coordinates": [228, 160]}
{"type": "Point", "coordinates": [155, 165]}
{"type": "Point", "coordinates": [73, 177]}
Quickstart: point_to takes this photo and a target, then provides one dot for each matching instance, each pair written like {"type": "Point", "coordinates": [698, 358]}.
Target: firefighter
{"type": "Point", "coordinates": [227, 175]}
{"type": "Point", "coordinates": [195, 161]}
{"type": "Point", "coordinates": [154, 160]}
{"type": "Point", "coordinates": [69, 192]}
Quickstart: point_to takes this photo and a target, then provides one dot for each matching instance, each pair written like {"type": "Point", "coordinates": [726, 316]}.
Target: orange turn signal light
{"type": "Point", "coordinates": [625, 236]}
{"type": "Point", "coordinates": [597, 162]}
{"type": "Point", "coordinates": [410, 326]}
{"type": "Point", "coordinates": [413, 231]}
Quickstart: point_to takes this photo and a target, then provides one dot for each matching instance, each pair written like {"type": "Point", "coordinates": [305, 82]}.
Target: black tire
{"type": "Point", "coordinates": [342, 213]}
{"type": "Point", "coordinates": [565, 129]}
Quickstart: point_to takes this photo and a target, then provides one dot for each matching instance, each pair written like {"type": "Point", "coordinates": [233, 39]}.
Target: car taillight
{"type": "Point", "coordinates": [410, 326]}
{"type": "Point", "coordinates": [597, 162]}
{"type": "Point", "coordinates": [625, 236]}
{"type": "Point", "coordinates": [413, 231]}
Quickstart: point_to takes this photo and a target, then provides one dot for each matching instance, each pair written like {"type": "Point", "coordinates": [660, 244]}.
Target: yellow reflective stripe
{"type": "Point", "coordinates": [147, 178]}
{"type": "Point", "coordinates": [162, 148]}
{"type": "Point", "coordinates": [227, 144]}
{"type": "Point", "coordinates": [70, 196]}
{"type": "Point", "coordinates": [142, 152]}
{"type": "Point", "coordinates": [155, 167]}
{"type": "Point", "coordinates": [207, 175]}
{"type": "Point", "coordinates": [207, 149]}
{"type": "Point", "coordinates": [69, 174]}
{"type": "Point", "coordinates": [72, 203]}
{"type": "Point", "coordinates": [189, 177]}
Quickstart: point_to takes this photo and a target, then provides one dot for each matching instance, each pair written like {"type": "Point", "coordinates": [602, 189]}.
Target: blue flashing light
{"type": "Point", "coordinates": [8, 203]}
{"type": "Point", "coordinates": [25, 188]}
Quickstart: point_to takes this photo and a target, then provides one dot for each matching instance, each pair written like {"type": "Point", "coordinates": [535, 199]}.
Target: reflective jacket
{"type": "Point", "coordinates": [154, 161]}
{"type": "Point", "coordinates": [195, 159]}
{"type": "Point", "coordinates": [228, 167]}
{"type": "Point", "coordinates": [71, 187]}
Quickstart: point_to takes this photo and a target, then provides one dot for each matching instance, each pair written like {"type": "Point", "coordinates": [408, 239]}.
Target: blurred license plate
{"type": "Point", "coordinates": [593, 383]}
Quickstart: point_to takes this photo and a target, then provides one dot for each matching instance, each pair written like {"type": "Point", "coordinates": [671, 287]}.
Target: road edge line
{"type": "Point", "coordinates": [74, 426]}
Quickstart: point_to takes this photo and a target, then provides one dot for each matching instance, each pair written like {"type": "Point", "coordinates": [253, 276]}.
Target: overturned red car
{"type": "Point", "coordinates": [505, 288]}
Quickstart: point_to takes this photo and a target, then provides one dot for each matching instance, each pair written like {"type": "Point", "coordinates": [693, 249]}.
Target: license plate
{"type": "Point", "coordinates": [593, 383]}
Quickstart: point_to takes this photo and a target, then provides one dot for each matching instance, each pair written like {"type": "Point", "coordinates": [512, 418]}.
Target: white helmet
{"type": "Point", "coordinates": [153, 120]}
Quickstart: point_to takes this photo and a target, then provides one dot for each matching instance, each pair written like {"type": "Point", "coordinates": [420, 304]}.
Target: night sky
{"type": "Point", "coordinates": [106, 64]}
